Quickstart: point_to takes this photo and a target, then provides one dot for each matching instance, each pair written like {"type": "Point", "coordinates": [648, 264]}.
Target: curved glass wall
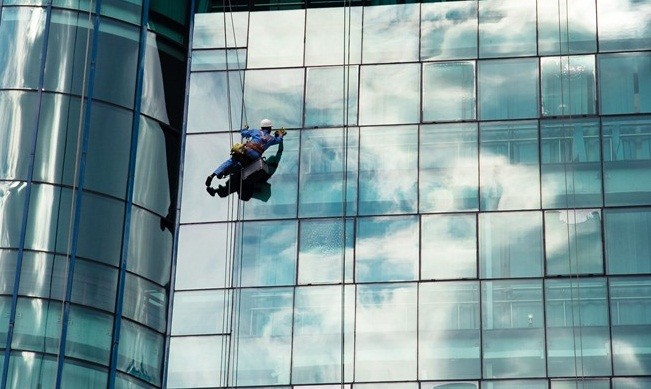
{"type": "Point", "coordinates": [91, 108]}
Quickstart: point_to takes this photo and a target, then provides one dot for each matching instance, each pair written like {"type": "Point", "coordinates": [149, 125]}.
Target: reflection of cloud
{"type": "Point", "coordinates": [518, 17]}
{"type": "Point", "coordinates": [449, 29]}
{"type": "Point", "coordinates": [618, 18]}
{"type": "Point", "coordinates": [508, 186]}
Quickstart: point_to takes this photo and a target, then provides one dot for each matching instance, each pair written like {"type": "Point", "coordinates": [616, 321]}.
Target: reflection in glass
{"type": "Point", "coordinates": [386, 332]}
{"type": "Point", "coordinates": [82, 375]}
{"type": "Point", "coordinates": [386, 249]}
{"type": "Point", "coordinates": [321, 171]}
{"type": "Point", "coordinates": [150, 252]}
{"type": "Point", "coordinates": [628, 247]}
{"type": "Point", "coordinates": [568, 85]}
{"type": "Point", "coordinates": [276, 94]}
{"type": "Point", "coordinates": [578, 336]}
{"type": "Point", "coordinates": [201, 256]}
{"type": "Point", "coordinates": [201, 312]}
{"type": "Point", "coordinates": [448, 247]}
{"type": "Point", "coordinates": [195, 361]}
{"type": "Point", "coordinates": [209, 104]}
{"type": "Point", "coordinates": [448, 167]}
{"type": "Point", "coordinates": [38, 325]}
{"type": "Point", "coordinates": [17, 125]}
{"type": "Point", "coordinates": [218, 59]}
{"type": "Point", "coordinates": [513, 336]}
{"type": "Point", "coordinates": [66, 52]}
{"type": "Point", "coordinates": [389, 94]}
{"type": "Point", "coordinates": [567, 27]}
{"type": "Point", "coordinates": [571, 168]}
{"type": "Point", "coordinates": [141, 352]}
{"type": "Point", "coordinates": [508, 166]}
{"type": "Point", "coordinates": [390, 33]}
{"type": "Point", "coordinates": [31, 370]}
{"type": "Point", "coordinates": [581, 383]}
{"type": "Point", "coordinates": [276, 39]}
{"type": "Point", "coordinates": [324, 245]}
{"type": "Point", "coordinates": [333, 36]}
{"type": "Point", "coordinates": [627, 160]}
{"type": "Point", "coordinates": [209, 30]}
{"type": "Point", "coordinates": [507, 28]}
{"type": "Point", "coordinates": [12, 203]}
{"type": "Point", "coordinates": [326, 104]}
{"type": "Point", "coordinates": [89, 335]}
{"type": "Point", "coordinates": [388, 170]}
{"type": "Point", "coordinates": [631, 382]}
{"type": "Point", "coordinates": [508, 89]}
{"type": "Point", "coordinates": [630, 304]}
{"type": "Point", "coordinates": [615, 35]}
{"type": "Point", "coordinates": [145, 302]}
{"type": "Point", "coordinates": [21, 40]}
{"type": "Point", "coordinates": [625, 83]}
{"type": "Point", "coordinates": [510, 244]}
{"type": "Point", "coordinates": [516, 384]}
{"type": "Point", "coordinates": [8, 260]}
{"type": "Point", "coordinates": [573, 242]}
{"type": "Point", "coordinates": [448, 91]}
{"type": "Point", "coordinates": [448, 30]}
{"type": "Point", "coordinates": [448, 331]}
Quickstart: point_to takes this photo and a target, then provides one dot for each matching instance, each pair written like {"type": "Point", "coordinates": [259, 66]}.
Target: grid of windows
{"type": "Point", "coordinates": [462, 200]}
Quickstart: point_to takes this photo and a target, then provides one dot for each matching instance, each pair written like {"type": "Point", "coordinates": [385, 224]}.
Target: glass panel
{"type": "Point", "coordinates": [201, 312]}
{"type": "Point", "coordinates": [448, 30]}
{"type": "Point", "coordinates": [448, 173]}
{"type": "Point", "coordinates": [567, 26]}
{"type": "Point", "coordinates": [230, 59]}
{"type": "Point", "coordinates": [124, 381]}
{"type": "Point", "coordinates": [5, 314]}
{"type": "Point", "coordinates": [380, 102]}
{"type": "Point", "coordinates": [276, 39]}
{"type": "Point", "coordinates": [568, 85]}
{"type": "Point", "coordinates": [78, 375]}
{"type": "Point", "coordinates": [195, 361]}
{"type": "Point", "coordinates": [89, 335]}
{"type": "Point", "coordinates": [571, 168]}
{"type": "Point", "coordinates": [496, 17]}
{"type": "Point", "coordinates": [627, 160]}
{"type": "Point", "coordinates": [448, 331]}
{"type": "Point", "coordinates": [276, 94]}
{"type": "Point", "coordinates": [157, 169]}
{"type": "Point", "coordinates": [317, 351]}
{"type": "Point", "coordinates": [515, 384]}
{"type": "Point", "coordinates": [393, 385]}
{"type": "Point", "coordinates": [333, 36]}
{"type": "Point", "coordinates": [615, 35]}
{"type": "Point", "coordinates": [508, 89]}
{"type": "Point", "coordinates": [209, 30]}
{"type": "Point", "coordinates": [448, 91]}
{"type": "Point", "coordinates": [38, 325]}
{"type": "Point", "coordinates": [388, 170]}
{"type": "Point", "coordinates": [573, 242]}
{"type": "Point", "coordinates": [141, 352]}
{"type": "Point", "coordinates": [581, 383]}
{"type": "Point", "coordinates": [628, 247]}
{"type": "Point", "coordinates": [264, 333]}
{"type": "Point", "coordinates": [150, 250]}
{"type": "Point", "coordinates": [386, 249]}
{"type": "Point", "coordinates": [8, 259]}
{"type": "Point", "coordinates": [12, 203]}
{"type": "Point", "coordinates": [21, 40]}
{"type": "Point", "coordinates": [127, 10]}
{"type": "Point", "coordinates": [202, 256]}
{"type": "Point", "coordinates": [448, 247]}
{"type": "Point", "coordinates": [630, 310]}
{"type": "Point", "coordinates": [625, 83]}
{"type": "Point", "coordinates": [390, 33]}
{"type": "Point", "coordinates": [325, 154]}
{"type": "Point", "coordinates": [631, 383]}
{"type": "Point", "coordinates": [513, 336]}
{"type": "Point", "coordinates": [510, 244]}
{"type": "Point", "coordinates": [509, 166]}
{"type": "Point", "coordinates": [324, 245]}
{"type": "Point", "coordinates": [17, 125]}
{"type": "Point", "coordinates": [449, 385]}
{"type": "Point", "coordinates": [209, 104]}
{"type": "Point", "coordinates": [326, 103]}
{"type": "Point", "coordinates": [31, 371]}
{"type": "Point", "coordinates": [145, 302]}
{"type": "Point", "coordinates": [386, 332]}
{"type": "Point", "coordinates": [578, 335]}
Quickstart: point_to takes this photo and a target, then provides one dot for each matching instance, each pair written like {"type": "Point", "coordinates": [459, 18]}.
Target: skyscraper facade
{"type": "Point", "coordinates": [463, 198]}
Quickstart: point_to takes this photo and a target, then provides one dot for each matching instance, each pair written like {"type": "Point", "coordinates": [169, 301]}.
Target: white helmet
{"type": "Point", "coordinates": [265, 123]}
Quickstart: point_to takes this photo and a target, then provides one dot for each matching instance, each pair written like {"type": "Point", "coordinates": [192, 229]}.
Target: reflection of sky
{"type": "Point", "coordinates": [449, 248]}
{"type": "Point", "coordinates": [276, 38]}
{"type": "Point", "coordinates": [325, 41]}
{"type": "Point", "coordinates": [390, 33]}
{"type": "Point", "coordinates": [449, 30]}
{"type": "Point", "coordinates": [324, 244]}
{"type": "Point", "coordinates": [508, 186]}
{"type": "Point", "coordinates": [275, 94]}
{"type": "Point", "coordinates": [507, 27]}
{"type": "Point", "coordinates": [389, 94]}
{"type": "Point", "coordinates": [623, 19]}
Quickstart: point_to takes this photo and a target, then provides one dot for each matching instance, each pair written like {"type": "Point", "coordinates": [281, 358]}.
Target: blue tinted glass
{"type": "Point", "coordinates": [518, 17]}
{"type": "Point", "coordinates": [17, 125]}
{"type": "Point", "coordinates": [31, 370]}
{"type": "Point", "coordinates": [201, 312]}
{"type": "Point", "coordinates": [89, 335]}
{"type": "Point", "coordinates": [573, 242]}
{"type": "Point", "coordinates": [127, 10]}
{"type": "Point", "coordinates": [141, 352]}
{"type": "Point", "coordinates": [568, 86]}
{"type": "Point", "coordinates": [202, 255]}
{"type": "Point", "coordinates": [196, 361]}
{"type": "Point", "coordinates": [631, 383]}
{"type": "Point", "coordinates": [12, 203]}
{"type": "Point", "coordinates": [210, 105]}
{"type": "Point", "coordinates": [448, 246]}
{"type": "Point", "coordinates": [8, 260]}
{"type": "Point", "coordinates": [581, 383]}
{"type": "Point", "coordinates": [145, 302]}
{"type": "Point", "coordinates": [567, 26]}
{"type": "Point", "coordinates": [333, 36]}
{"type": "Point", "coordinates": [326, 102]}
{"type": "Point", "coordinates": [396, 44]}
{"type": "Point", "coordinates": [448, 91]}
{"type": "Point", "coordinates": [448, 30]}
{"type": "Point", "coordinates": [21, 41]}
{"type": "Point", "coordinates": [79, 375]}
{"type": "Point", "coordinates": [508, 89]}
{"type": "Point", "coordinates": [389, 94]}
{"type": "Point", "coordinates": [324, 245]}
{"type": "Point", "coordinates": [516, 384]}
{"type": "Point", "coordinates": [203, 60]}
{"type": "Point", "coordinates": [209, 30]}
{"type": "Point", "coordinates": [276, 94]}
{"type": "Point", "coordinates": [5, 314]}
{"type": "Point", "coordinates": [615, 35]}
{"type": "Point", "coordinates": [66, 52]}
{"type": "Point", "coordinates": [150, 248]}
{"type": "Point", "coordinates": [271, 46]}
{"type": "Point", "coordinates": [38, 325]}
{"type": "Point", "coordinates": [628, 247]}
{"type": "Point", "coordinates": [625, 83]}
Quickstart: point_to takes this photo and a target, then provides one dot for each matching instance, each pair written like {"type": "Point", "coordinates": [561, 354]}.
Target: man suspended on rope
{"type": "Point", "coordinates": [242, 154]}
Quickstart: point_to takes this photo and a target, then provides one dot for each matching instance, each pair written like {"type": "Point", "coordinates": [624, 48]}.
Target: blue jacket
{"type": "Point", "coordinates": [262, 140]}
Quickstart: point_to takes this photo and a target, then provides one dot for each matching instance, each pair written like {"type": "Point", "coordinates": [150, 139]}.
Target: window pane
{"type": "Point", "coordinates": [518, 17]}
{"type": "Point", "coordinates": [325, 99]}
{"type": "Point", "coordinates": [573, 242]}
{"type": "Point", "coordinates": [581, 383]}
{"type": "Point", "coordinates": [567, 26]}
{"type": "Point", "coordinates": [399, 43]}
{"type": "Point", "coordinates": [627, 160]}
{"type": "Point", "coordinates": [79, 375]}
{"type": "Point", "coordinates": [21, 41]}
{"type": "Point", "coordinates": [630, 310]}
{"type": "Point", "coordinates": [201, 256]}
{"type": "Point", "coordinates": [209, 30]}
{"type": "Point", "coordinates": [209, 103]}
{"type": "Point", "coordinates": [513, 337]}
{"type": "Point", "coordinates": [201, 312]}
{"type": "Point", "coordinates": [5, 314]}
{"type": "Point", "coordinates": [31, 370]}
{"type": "Point", "coordinates": [324, 245]}
{"type": "Point", "coordinates": [230, 59]}
{"type": "Point", "coordinates": [578, 333]}
{"type": "Point", "coordinates": [386, 332]}
{"type": "Point", "coordinates": [276, 39]}
{"type": "Point", "coordinates": [508, 162]}
{"type": "Point", "coordinates": [388, 170]}
{"type": "Point", "coordinates": [615, 35]}
{"type": "Point", "coordinates": [448, 168]}
{"type": "Point", "coordinates": [195, 361]}
{"type": "Point", "coordinates": [449, 247]}
{"type": "Point", "coordinates": [515, 384]}
{"type": "Point", "coordinates": [382, 102]}
{"type": "Point", "coordinates": [145, 302]}
{"type": "Point", "coordinates": [508, 89]}
{"type": "Point", "coordinates": [510, 244]}
{"type": "Point", "coordinates": [276, 94]}
{"type": "Point", "coordinates": [568, 85]}
{"type": "Point", "coordinates": [448, 91]}
{"type": "Point", "coordinates": [12, 203]}
{"type": "Point", "coordinates": [448, 330]}
{"type": "Point", "coordinates": [571, 168]}
{"type": "Point", "coordinates": [448, 30]}
{"type": "Point", "coordinates": [386, 249]}
{"type": "Point", "coordinates": [321, 171]}
{"type": "Point", "coordinates": [628, 247]}
{"type": "Point", "coordinates": [89, 335]}
{"type": "Point", "coordinates": [17, 125]}
{"type": "Point", "coordinates": [8, 261]}
{"type": "Point", "coordinates": [625, 83]}
{"type": "Point", "coordinates": [333, 36]}
{"type": "Point", "coordinates": [141, 352]}
{"type": "Point", "coordinates": [37, 326]}
{"type": "Point", "coordinates": [150, 253]}
{"type": "Point", "coordinates": [630, 383]}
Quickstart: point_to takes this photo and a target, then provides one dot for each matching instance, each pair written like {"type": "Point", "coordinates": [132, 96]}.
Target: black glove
{"type": "Point", "coordinates": [209, 179]}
